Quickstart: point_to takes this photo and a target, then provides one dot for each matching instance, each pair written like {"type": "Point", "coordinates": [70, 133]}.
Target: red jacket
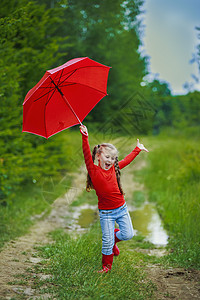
{"type": "Point", "coordinates": [105, 182]}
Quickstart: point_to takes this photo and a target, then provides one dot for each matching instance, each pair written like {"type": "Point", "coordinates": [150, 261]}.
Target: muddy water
{"type": "Point", "coordinates": [87, 217]}
{"type": "Point", "coordinates": [82, 217]}
{"type": "Point", "coordinates": [146, 221]}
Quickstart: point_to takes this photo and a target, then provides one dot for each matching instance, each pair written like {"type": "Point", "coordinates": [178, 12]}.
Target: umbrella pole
{"type": "Point", "coordinates": [71, 108]}
{"type": "Point", "coordinates": [65, 99]}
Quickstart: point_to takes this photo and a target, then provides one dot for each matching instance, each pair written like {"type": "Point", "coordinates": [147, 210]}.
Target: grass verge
{"type": "Point", "coordinates": [33, 200]}
{"type": "Point", "coordinates": [32, 203]}
{"type": "Point", "coordinates": [172, 179]}
{"type": "Point", "coordinates": [73, 264]}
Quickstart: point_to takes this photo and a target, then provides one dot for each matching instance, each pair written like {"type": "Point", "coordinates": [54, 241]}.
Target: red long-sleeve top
{"type": "Point", "coordinates": [105, 181]}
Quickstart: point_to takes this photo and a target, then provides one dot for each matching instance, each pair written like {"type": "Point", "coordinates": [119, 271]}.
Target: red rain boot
{"type": "Point", "coordinates": [115, 248]}
{"type": "Point", "coordinates": [107, 261]}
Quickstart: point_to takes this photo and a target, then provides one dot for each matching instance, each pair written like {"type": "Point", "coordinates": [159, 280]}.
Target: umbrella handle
{"type": "Point", "coordinates": [59, 90]}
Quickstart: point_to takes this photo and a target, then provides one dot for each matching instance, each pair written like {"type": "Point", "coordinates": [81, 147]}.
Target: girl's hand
{"type": "Point", "coordinates": [141, 146]}
{"type": "Point", "coordinates": [83, 130]}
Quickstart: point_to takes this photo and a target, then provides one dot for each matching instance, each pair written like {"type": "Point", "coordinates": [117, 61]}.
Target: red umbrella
{"type": "Point", "coordinates": [64, 96]}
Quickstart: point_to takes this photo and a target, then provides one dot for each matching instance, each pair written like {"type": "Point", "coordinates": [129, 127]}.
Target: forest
{"type": "Point", "coordinates": [39, 35]}
{"type": "Point", "coordinates": [36, 36]}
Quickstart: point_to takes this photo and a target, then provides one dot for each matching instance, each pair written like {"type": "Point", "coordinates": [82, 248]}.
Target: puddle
{"type": "Point", "coordinates": [82, 217]}
{"type": "Point", "coordinates": [147, 222]}
{"type": "Point", "coordinates": [87, 217]}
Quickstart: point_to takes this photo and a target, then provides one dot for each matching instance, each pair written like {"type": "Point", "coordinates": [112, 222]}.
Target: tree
{"type": "Point", "coordinates": [27, 49]}
{"type": "Point", "coordinates": [107, 31]}
{"type": "Point", "coordinates": [40, 35]}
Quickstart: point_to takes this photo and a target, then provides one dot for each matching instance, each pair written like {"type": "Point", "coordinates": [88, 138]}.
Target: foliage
{"type": "Point", "coordinates": [39, 35]}
{"type": "Point", "coordinates": [179, 113]}
{"type": "Point", "coordinates": [107, 31]}
{"type": "Point", "coordinates": [36, 188]}
{"type": "Point", "coordinates": [27, 49]}
{"type": "Point", "coordinates": [172, 179]}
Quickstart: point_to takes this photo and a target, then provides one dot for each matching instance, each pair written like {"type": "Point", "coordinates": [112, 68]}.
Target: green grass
{"type": "Point", "coordinates": [32, 204]}
{"type": "Point", "coordinates": [139, 198]}
{"type": "Point", "coordinates": [172, 179]}
{"type": "Point", "coordinates": [34, 199]}
{"type": "Point", "coordinates": [86, 197]}
{"type": "Point", "coordinates": [74, 262]}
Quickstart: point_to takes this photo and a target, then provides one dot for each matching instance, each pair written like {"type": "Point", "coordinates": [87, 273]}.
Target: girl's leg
{"type": "Point", "coordinates": [125, 226]}
{"type": "Point", "coordinates": [107, 221]}
{"type": "Point", "coordinates": [115, 248]}
{"type": "Point", "coordinates": [107, 261]}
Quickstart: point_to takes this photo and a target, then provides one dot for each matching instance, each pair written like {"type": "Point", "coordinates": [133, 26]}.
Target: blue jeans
{"type": "Point", "coordinates": [108, 218]}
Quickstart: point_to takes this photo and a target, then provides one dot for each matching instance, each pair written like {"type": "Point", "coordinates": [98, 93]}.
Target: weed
{"type": "Point", "coordinates": [172, 178]}
{"type": "Point", "coordinates": [139, 198]}
{"type": "Point", "coordinates": [74, 263]}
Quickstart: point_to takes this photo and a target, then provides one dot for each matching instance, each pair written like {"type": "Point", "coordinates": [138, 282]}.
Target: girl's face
{"type": "Point", "coordinates": [106, 158]}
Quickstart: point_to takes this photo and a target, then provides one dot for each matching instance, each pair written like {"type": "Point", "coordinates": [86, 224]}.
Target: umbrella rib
{"type": "Point", "coordinates": [45, 127]}
{"type": "Point", "coordinates": [45, 87]}
{"type": "Point", "coordinates": [60, 79]}
{"type": "Point", "coordinates": [59, 83]}
{"type": "Point", "coordinates": [86, 86]}
{"type": "Point", "coordinates": [66, 101]}
{"type": "Point", "coordinates": [45, 110]}
{"type": "Point", "coordinates": [70, 73]}
{"type": "Point", "coordinates": [83, 68]}
{"type": "Point", "coordinates": [60, 76]}
{"type": "Point", "coordinates": [43, 95]}
{"type": "Point", "coordinates": [50, 97]}
{"type": "Point", "coordinates": [34, 91]}
{"type": "Point", "coordinates": [73, 83]}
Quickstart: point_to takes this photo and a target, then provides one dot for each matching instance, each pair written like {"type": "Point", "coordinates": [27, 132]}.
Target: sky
{"type": "Point", "coordinates": [170, 40]}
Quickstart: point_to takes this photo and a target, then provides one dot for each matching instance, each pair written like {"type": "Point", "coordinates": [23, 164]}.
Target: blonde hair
{"type": "Point", "coordinates": [97, 150]}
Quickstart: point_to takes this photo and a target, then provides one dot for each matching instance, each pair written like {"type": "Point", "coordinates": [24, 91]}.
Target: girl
{"type": "Point", "coordinates": [105, 180]}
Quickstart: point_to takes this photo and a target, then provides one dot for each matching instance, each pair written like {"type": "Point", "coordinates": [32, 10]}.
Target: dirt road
{"type": "Point", "coordinates": [20, 255]}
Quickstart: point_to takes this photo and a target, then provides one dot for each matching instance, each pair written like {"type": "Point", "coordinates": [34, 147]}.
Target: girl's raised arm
{"type": "Point", "coordinates": [86, 149]}
{"type": "Point", "coordinates": [141, 146]}
{"type": "Point", "coordinates": [84, 130]}
{"type": "Point", "coordinates": [130, 157]}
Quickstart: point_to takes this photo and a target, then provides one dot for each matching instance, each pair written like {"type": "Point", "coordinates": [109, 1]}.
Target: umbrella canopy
{"type": "Point", "coordinates": [64, 96]}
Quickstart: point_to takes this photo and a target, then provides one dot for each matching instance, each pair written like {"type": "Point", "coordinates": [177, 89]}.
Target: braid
{"type": "Point", "coordinates": [118, 173]}
{"type": "Point", "coordinates": [89, 185]}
